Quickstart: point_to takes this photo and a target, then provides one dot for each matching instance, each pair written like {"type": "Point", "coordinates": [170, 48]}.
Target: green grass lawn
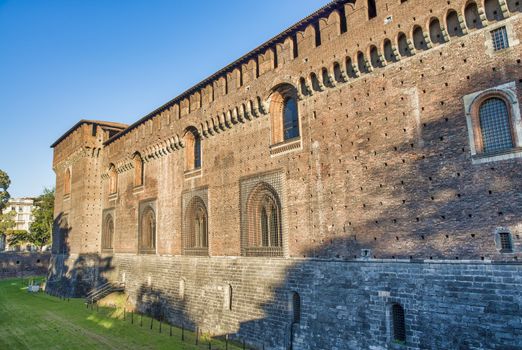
{"type": "Point", "coordinates": [39, 321]}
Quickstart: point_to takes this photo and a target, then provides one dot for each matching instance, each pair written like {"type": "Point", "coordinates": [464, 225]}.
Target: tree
{"type": "Point", "coordinates": [4, 185]}
{"type": "Point", "coordinates": [40, 231]}
{"type": "Point", "coordinates": [42, 226]}
{"type": "Point", "coordinates": [7, 222]}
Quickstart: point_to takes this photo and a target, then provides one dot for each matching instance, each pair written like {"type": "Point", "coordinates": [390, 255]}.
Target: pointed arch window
{"type": "Point", "coordinates": [147, 229]}
{"type": "Point", "coordinates": [108, 233]}
{"type": "Point", "coordinates": [269, 220]}
{"type": "Point", "coordinates": [195, 235]}
{"type": "Point", "coordinates": [264, 229]}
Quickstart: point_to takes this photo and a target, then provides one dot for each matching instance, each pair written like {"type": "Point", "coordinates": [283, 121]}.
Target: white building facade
{"type": "Point", "coordinates": [23, 209]}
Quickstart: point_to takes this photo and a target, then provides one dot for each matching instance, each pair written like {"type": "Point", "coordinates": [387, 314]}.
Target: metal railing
{"type": "Point", "coordinates": [103, 290]}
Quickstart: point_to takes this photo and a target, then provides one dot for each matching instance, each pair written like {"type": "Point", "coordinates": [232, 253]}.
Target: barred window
{"type": "Point", "coordinates": [500, 39]}
{"type": "Point", "coordinates": [270, 232]}
{"type": "Point", "coordinates": [284, 113]}
{"type": "Point", "coordinates": [506, 245]}
{"type": "Point", "coordinates": [195, 237]}
{"type": "Point", "coordinates": [264, 222]}
{"type": "Point", "coordinates": [290, 119]}
{"type": "Point", "coordinates": [495, 126]}
{"type": "Point", "coordinates": [147, 240]}
{"type": "Point", "coordinates": [398, 323]}
{"type": "Point", "coordinates": [108, 233]}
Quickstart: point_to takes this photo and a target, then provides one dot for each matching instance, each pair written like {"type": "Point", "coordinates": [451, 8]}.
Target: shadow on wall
{"type": "Point", "coordinates": [73, 276]}
{"type": "Point", "coordinates": [424, 200]}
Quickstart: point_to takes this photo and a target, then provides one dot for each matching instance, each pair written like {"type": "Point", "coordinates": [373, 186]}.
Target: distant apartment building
{"type": "Point", "coordinates": [23, 208]}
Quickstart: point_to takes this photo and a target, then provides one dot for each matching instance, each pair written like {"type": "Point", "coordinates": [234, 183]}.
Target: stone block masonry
{"type": "Point", "coordinates": [344, 305]}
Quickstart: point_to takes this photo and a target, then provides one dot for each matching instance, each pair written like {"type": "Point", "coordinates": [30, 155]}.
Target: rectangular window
{"type": "Point", "coordinates": [505, 242]}
{"type": "Point", "coordinates": [500, 39]}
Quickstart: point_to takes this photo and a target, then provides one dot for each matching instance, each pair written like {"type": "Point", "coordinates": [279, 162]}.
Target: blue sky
{"type": "Point", "coordinates": [117, 60]}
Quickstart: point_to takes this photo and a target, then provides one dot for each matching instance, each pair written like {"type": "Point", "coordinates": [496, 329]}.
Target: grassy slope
{"type": "Point", "coordinates": [39, 321]}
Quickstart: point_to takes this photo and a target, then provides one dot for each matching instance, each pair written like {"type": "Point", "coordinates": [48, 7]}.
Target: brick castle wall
{"type": "Point", "coordinates": [23, 264]}
{"type": "Point", "coordinates": [383, 165]}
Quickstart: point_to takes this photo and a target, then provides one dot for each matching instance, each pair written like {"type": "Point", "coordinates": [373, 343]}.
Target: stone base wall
{"type": "Point", "coordinates": [19, 264]}
{"type": "Point", "coordinates": [344, 305]}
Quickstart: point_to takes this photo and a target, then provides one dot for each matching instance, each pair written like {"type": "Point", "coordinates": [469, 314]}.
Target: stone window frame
{"type": "Point", "coordinates": [391, 324]}
{"type": "Point", "coordinates": [191, 139]}
{"type": "Point", "coordinates": [279, 95]}
{"type": "Point", "coordinates": [257, 185]}
{"type": "Point", "coordinates": [107, 213]}
{"type": "Point", "coordinates": [472, 103]}
{"type": "Point", "coordinates": [261, 196]}
{"type": "Point", "coordinates": [192, 201]}
{"type": "Point", "coordinates": [498, 242]}
{"type": "Point", "coordinates": [511, 38]}
{"type": "Point", "coordinates": [143, 207]}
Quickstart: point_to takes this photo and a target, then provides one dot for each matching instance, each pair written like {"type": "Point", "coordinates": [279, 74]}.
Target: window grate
{"type": "Point", "coordinates": [500, 39]}
{"type": "Point", "coordinates": [495, 126]}
{"type": "Point", "coordinates": [399, 324]}
{"type": "Point", "coordinates": [505, 242]}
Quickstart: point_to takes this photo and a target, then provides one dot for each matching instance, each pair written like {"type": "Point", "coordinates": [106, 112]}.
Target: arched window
{"type": "Point", "coordinates": [436, 35]}
{"type": "Point", "coordinates": [264, 231]}
{"type": "Point", "coordinates": [192, 140]}
{"type": "Point", "coordinates": [495, 125]}
{"type": "Point", "coordinates": [138, 170]}
{"type": "Point", "coordinates": [195, 235]}
{"type": "Point", "coordinates": [269, 221]}
{"type": "Point", "coordinates": [453, 24]}
{"type": "Point", "coordinates": [418, 39]}
{"type": "Point", "coordinates": [108, 233]}
{"type": "Point", "coordinates": [291, 119]}
{"type": "Point", "coordinates": [404, 47]}
{"type": "Point", "coordinates": [113, 179]}
{"type": "Point", "coordinates": [200, 229]}
{"type": "Point", "coordinates": [338, 74]}
{"type": "Point", "coordinates": [350, 69]}
{"type": "Point", "coordinates": [493, 10]}
{"type": "Point", "coordinates": [147, 240]}
{"type": "Point", "coordinates": [361, 63]}
{"type": "Point", "coordinates": [472, 17]}
{"type": "Point", "coordinates": [374, 57]}
{"type": "Point", "coordinates": [398, 323]}
{"type": "Point", "coordinates": [284, 113]}
{"type": "Point", "coordinates": [67, 182]}
{"type": "Point", "coordinates": [389, 55]}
